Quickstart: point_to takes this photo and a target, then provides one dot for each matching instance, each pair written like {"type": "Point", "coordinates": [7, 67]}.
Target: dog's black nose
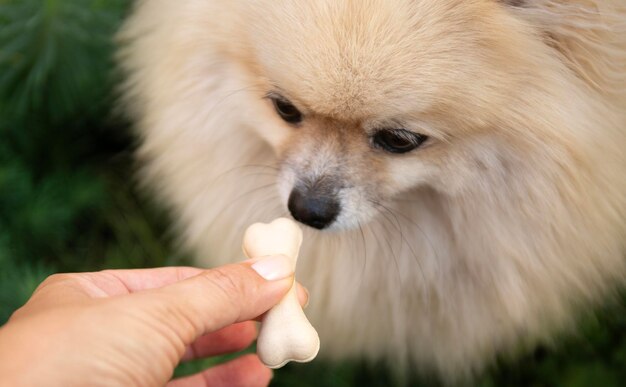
{"type": "Point", "coordinates": [313, 208]}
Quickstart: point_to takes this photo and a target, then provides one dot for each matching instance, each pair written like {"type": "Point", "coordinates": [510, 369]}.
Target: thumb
{"type": "Point", "coordinates": [222, 296]}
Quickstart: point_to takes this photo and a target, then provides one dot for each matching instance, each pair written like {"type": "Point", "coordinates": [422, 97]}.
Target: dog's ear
{"type": "Point", "coordinates": [589, 35]}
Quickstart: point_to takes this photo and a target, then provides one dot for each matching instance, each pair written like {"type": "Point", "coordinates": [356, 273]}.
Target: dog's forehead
{"type": "Point", "coordinates": [357, 58]}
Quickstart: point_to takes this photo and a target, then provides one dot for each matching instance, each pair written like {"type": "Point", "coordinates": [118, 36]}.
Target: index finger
{"type": "Point", "coordinates": [108, 283]}
{"type": "Point", "coordinates": [135, 280]}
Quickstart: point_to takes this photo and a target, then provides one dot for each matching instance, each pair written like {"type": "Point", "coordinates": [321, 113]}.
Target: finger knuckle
{"type": "Point", "coordinates": [57, 278]}
{"type": "Point", "coordinates": [226, 283]}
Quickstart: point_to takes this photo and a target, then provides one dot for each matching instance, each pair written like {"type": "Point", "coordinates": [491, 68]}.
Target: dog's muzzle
{"type": "Point", "coordinates": [315, 206]}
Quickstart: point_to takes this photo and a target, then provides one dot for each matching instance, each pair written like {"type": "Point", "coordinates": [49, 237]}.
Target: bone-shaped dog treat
{"type": "Point", "coordinates": [285, 334]}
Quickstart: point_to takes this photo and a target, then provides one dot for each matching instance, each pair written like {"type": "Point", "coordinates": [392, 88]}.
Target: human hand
{"type": "Point", "coordinates": [132, 327]}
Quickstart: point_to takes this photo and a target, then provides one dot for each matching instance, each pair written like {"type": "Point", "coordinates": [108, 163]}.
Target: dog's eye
{"type": "Point", "coordinates": [397, 140]}
{"type": "Point", "coordinates": [287, 111]}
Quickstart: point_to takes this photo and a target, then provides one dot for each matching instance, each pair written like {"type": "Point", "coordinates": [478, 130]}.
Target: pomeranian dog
{"type": "Point", "coordinates": [464, 159]}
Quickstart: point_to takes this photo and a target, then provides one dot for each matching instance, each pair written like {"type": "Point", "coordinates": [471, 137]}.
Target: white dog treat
{"type": "Point", "coordinates": [285, 334]}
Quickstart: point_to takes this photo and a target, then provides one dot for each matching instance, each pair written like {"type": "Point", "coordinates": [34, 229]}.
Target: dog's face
{"type": "Point", "coordinates": [367, 101]}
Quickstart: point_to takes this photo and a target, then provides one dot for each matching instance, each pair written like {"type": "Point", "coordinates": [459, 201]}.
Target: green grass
{"type": "Point", "coordinates": [68, 201]}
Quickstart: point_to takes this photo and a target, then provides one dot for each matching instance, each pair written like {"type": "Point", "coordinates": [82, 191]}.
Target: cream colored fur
{"type": "Point", "coordinates": [494, 235]}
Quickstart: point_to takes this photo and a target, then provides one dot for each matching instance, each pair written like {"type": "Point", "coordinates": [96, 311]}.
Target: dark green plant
{"type": "Point", "coordinates": [54, 56]}
{"type": "Point", "coordinates": [68, 201]}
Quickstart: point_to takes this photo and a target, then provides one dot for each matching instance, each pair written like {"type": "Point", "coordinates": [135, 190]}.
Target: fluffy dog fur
{"type": "Point", "coordinates": [493, 234]}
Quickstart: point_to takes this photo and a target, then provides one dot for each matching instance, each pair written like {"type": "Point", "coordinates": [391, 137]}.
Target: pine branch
{"type": "Point", "coordinates": [54, 55]}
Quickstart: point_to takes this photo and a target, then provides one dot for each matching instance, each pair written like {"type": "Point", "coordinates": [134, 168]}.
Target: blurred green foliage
{"type": "Point", "coordinates": [67, 198]}
{"type": "Point", "coordinates": [68, 201]}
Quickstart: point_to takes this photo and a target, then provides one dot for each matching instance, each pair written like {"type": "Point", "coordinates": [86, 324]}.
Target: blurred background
{"type": "Point", "coordinates": [68, 200]}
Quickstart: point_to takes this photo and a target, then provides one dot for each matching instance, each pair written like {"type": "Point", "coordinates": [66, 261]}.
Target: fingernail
{"type": "Point", "coordinates": [273, 268]}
